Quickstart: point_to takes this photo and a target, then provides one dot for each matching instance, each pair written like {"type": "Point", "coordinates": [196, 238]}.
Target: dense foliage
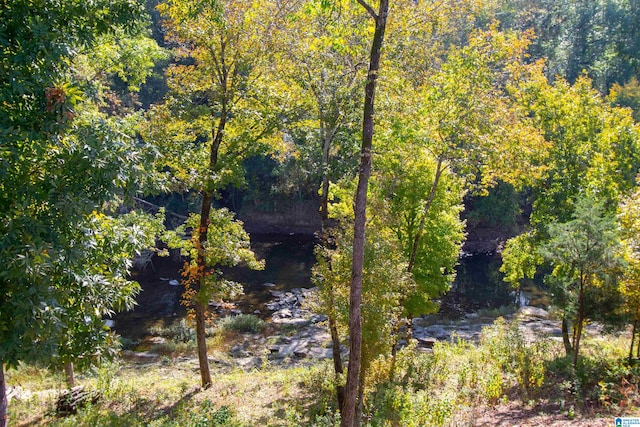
{"type": "Point", "coordinates": [394, 119]}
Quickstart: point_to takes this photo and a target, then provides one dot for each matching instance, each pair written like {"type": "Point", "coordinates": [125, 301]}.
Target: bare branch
{"type": "Point", "coordinates": [370, 10]}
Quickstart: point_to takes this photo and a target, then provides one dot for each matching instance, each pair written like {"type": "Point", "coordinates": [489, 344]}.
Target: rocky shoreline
{"type": "Point", "coordinates": [298, 336]}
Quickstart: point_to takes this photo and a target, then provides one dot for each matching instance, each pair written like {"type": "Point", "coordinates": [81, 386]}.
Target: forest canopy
{"type": "Point", "coordinates": [407, 127]}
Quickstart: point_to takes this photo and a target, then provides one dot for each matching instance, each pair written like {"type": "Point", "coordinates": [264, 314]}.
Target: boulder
{"type": "Point", "coordinates": [535, 312]}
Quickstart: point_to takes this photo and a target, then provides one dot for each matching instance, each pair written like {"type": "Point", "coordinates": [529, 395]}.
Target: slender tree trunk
{"type": "Point", "coordinates": [565, 336]}
{"type": "Point", "coordinates": [3, 397]}
{"type": "Point", "coordinates": [355, 296]}
{"type": "Point", "coordinates": [394, 348]}
{"type": "Point", "coordinates": [337, 361]}
{"type": "Point", "coordinates": [69, 375]}
{"type": "Point", "coordinates": [360, 405]}
{"type": "Point", "coordinates": [200, 307]}
{"type": "Point", "coordinates": [579, 323]}
{"type": "Point", "coordinates": [633, 337]}
{"type": "Point", "coordinates": [217, 134]}
{"type": "Point", "coordinates": [423, 217]}
{"type": "Point", "coordinates": [577, 346]}
{"type": "Point", "coordinates": [412, 262]}
{"type": "Point", "coordinates": [201, 338]}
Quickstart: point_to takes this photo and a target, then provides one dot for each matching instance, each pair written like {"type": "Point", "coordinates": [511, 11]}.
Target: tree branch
{"type": "Point", "coordinates": [370, 10]}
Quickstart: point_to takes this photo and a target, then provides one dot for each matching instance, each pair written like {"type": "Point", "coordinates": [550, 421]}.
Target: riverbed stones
{"type": "Point", "coordinates": [533, 312]}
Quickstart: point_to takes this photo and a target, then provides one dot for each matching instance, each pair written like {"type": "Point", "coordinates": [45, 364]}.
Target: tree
{"type": "Point", "coordinates": [577, 36]}
{"type": "Point", "coordinates": [220, 109]}
{"type": "Point", "coordinates": [585, 255]}
{"type": "Point", "coordinates": [460, 133]}
{"type": "Point", "coordinates": [385, 280]}
{"type": "Point", "coordinates": [591, 153]}
{"type": "Point", "coordinates": [629, 218]}
{"type": "Point", "coordinates": [355, 299]}
{"type": "Point", "coordinates": [62, 167]}
{"type": "Point", "coordinates": [323, 60]}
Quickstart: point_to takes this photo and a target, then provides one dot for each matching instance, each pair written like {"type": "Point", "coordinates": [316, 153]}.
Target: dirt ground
{"type": "Point", "coordinates": [513, 415]}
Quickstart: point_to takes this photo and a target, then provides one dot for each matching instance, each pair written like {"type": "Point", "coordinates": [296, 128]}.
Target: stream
{"type": "Point", "coordinates": [289, 259]}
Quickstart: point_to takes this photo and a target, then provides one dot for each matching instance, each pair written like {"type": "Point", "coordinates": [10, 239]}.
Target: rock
{"type": "Point", "coordinates": [317, 318]}
{"type": "Point", "coordinates": [437, 331]}
{"type": "Point", "coordinates": [285, 312]}
{"type": "Point", "coordinates": [249, 363]}
{"type": "Point", "coordinates": [237, 351]}
{"type": "Point", "coordinates": [292, 321]}
{"type": "Point", "coordinates": [219, 362]}
{"type": "Point", "coordinates": [529, 311]}
{"type": "Point", "coordinates": [140, 356]}
{"type": "Point", "coordinates": [320, 353]}
{"type": "Point", "coordinates": [426, 342]}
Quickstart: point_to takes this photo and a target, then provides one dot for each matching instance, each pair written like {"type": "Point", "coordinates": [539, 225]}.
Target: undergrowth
{"type": "Point", "coordinates": [427, 389]}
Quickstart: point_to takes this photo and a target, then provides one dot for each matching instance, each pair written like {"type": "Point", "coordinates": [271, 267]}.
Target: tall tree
{"type": "Point", "coordinates": [220, 109]}
{"type": "Point", "coordinates": [585, 255]}
{"type": "Point", "coordinates": [629, 218]}
{"type": "Point", "coordinates": [325, 51]}
{"type": "Point", "coordinates": [592, 153]}
{"type": "Point", "coordinates": [62, 164]}
{"type": "Point", "coordinates": [355, 297]}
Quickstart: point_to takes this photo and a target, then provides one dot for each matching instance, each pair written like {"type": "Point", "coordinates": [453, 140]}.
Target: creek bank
{"type": "Point", "coordinates": [294, 335]}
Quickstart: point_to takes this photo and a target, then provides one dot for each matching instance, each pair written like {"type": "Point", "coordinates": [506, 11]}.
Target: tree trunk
{"type": "Point", "coordinates": [337, 361]}
{"type": "Point", "coordinates": [633, 337]}
{"type": "Point", "coordinates": [201, 337]}
{"type": "Point", "coordinates": [69, 375]}
{"type": "Point", "coordinates": [217, 135]}
{"type": "Point", "coordinates": [200, 306]}
{"type": "Point", "coordinates": [423, 218]}
{"type": "Point", "coordinates": [412, 261]}
{"type": "Point", "coordinates": [576, 349]}
{"type": "Point", "coordinates": [3, 397]}
{"type": "Point", "coordinates": [579, 323]}
{"type": "Point", "coordinates": [348, 418]}
{"type": "Point", "coordinates": [360, 405]}
{"type": "Point", "coordinates": [565, 336]}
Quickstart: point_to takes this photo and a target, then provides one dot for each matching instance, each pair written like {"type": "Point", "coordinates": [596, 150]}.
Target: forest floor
{"type": "Point", "coordinates": [163, 391]}
{"type": "Point", "coordinates": [157, 394]}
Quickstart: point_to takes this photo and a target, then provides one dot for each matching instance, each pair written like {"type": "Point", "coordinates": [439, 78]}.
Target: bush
{"type": "Point", "coordinates": [242, 323]}
{"type": "Point", "coordinates": [459, 374]}
{"type": "Point", "coordinates": [178, 332]}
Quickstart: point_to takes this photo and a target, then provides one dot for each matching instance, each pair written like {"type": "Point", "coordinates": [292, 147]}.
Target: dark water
{"type": "Point", "coordinates": [289, 259]}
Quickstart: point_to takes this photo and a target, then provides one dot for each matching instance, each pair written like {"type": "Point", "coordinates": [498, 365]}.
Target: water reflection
{"type": "Point", "coordinates": [289, 259]}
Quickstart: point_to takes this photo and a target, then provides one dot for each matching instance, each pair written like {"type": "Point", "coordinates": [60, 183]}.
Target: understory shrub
{"type": "Point", "coordinates": [177, 332]}
{"type": "Point", "coordinates": [459, 374]}
{"type": "Point", "coordinates": [242, 323]}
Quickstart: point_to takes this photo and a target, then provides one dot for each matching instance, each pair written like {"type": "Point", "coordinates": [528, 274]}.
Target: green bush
{"type": "Point", "coordinates": [177, 332]}
{"type": "Point", "coordinates": [243, 323]}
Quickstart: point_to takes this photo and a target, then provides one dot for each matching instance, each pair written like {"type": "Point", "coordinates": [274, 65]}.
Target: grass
{"type": "Point", "coordinates": [169, 395]}
{"type": "Point", "coordinates": [449, 386]}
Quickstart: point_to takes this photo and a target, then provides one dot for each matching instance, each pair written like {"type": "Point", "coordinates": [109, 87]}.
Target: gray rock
{"type": "Point", "coordinates": [320, 353]}
{"type": "Point", "coordinates": [292, 321]}
{"type": "Point", "coordinates": [437, 331]}
{"type": "Point", "coordinates": [536, 312]}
